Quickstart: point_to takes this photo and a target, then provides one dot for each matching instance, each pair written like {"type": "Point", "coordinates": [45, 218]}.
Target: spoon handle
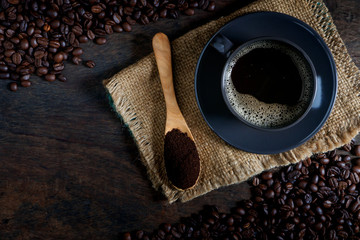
{"type": "Point", "coordinates": [162, 51]}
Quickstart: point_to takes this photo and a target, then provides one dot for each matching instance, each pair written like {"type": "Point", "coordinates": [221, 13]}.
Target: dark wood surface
{"type": "Point", "coordinates": [70, 170]}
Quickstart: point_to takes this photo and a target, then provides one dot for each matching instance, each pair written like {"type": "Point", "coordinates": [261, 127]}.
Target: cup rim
{"type": "Point", "coordinates": [283, 40]}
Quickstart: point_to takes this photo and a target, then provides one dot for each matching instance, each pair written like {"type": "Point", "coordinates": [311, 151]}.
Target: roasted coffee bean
{"type": "Point", "coordinates": [126, 26]}
{"type": "Point", "coordinates": [100, 40]}
{"type": "Point", "coordinates": [83, 39]}
{"type": "Point", "coordinates": [322, 170]}
{"type": "Point", "coordinates": [90, 64]}
{"type": "Point", "coordinates": [76, 60]}
{"type": "Point", "coordinates": [25, 77]}
{"type": "Point", "coordinates": [9, 52]}
{"type": "Point", "coordinates": [189, 12]}
{"type": "Point", "coordinates": [356, 169]}
{"type": "Point", "coordinates": [16, 58]}
{"type": "Point", "coordinates": [117, 28]}
{"type": "Point", "coordinates": [54, 44]}
{"type": "Point", "coordinates": [266, 175]}
{"type": "Point", "coordinates": [269, 193]}
{"type": "Point", "coordinates": [356, 150]}
{"type": "Point", "coordinates": [24, 44]}
{"type": "Point", "coordinates": [58, 66]}
{"type": "Point", "coordinates": [108, 29]}
{"type": "Point", "coordinates": [354, 177]}
{"type": "Point", "coordinates": [3, 68]}
{"type": "Point", "coordinates": [62, 78]}
{"type": "Point", "coordinates": [255, 181]}
{"type": "Point", "coordinates": [25, 83]}
{"type": "Point", "coordinates": [77, 51]}
{"type": "Point", "coordinates": [50, 77]}
{"type": "Point", "coordinates": [117, 18]}
{"type": "Point", "coordinates": [59, 57]}
{"type": "Point", "coordinates": [42, 71]}
{"type": "Point", "coordinates": [43, 41]}
{"type": "Point", "coordinates": [144, 20]}
{"type": "Point", "coordinates": [33, 42]}
{"type": "Point", "coordinates": [324, 161]}
{"type": "Point", "coordinates": [90, 34]}
{"type": "Point", "coordinates": [211, 6]}
{"type": "Point", "coordinates": [13, 86]}
{"type": "Point", "coordinates": [4, 75]}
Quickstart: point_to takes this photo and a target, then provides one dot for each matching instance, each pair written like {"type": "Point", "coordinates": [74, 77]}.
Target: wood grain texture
{"type": "Point", "coordinates": [174, 117]}
{"type": "Point", "coordinates": [70, 170]}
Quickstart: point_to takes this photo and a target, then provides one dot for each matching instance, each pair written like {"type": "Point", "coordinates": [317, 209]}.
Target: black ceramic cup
{"type": "Point", "coordinates": [268, 83]}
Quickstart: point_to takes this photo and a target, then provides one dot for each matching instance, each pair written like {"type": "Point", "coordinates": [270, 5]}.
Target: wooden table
{"type": "Point", "coordinates": [70, 169]}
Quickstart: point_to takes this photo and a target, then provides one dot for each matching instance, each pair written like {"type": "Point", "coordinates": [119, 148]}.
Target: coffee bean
{"type": "Point", "coordinates": [3, 68]}
{"type": "Point", "coordinates": [324, 161]}
{"type": "Point", "coordinates": [211, 6]}
{"type": "Point", "coordinates": [9, 52]}
{"type": "Point", "coordinates": [302, 184]}
{"type": "Point", "coordinates": [25, 77]}
{"type": "Point", "coordinates": [266, 175]}
{"type": "Point", "coordinates": [50, 77]}
{"type": "Point", "coordinates": [13, 86]}
{"type": "Point", "coordinates": [322, 170]}
{"type": "Point", "coordinates": [347, 158]}
{"type": "Point", "coordinates": [163, 13]}
{"type": "Point", "coordinates": [58, 67]}
{"type": "Point", "coordinates": [117, 18]}
{"type": "Point", "coordinates": [354, 177]}
{"type": "Point", "coordinates": [76, 60]}
{"type": "Point", "coordinates": [333, 182]}
{"type": "Point", "coordinates": [59, 57]}
{"type": "Point", "coordinates": [356, 169]}
{"type": "Point", "coordinates": [189, 12]}
{"type": "Point", "coordinates": [4, 75]}
{"type": "Point", "coordinates": [42, 41]}
{"type": "Point", "coordinates": [77, 30]}
{"type": "Point", "coordinates": [126, 236]}
{"type": "Point", "coordinates": [54, 44]}
{"type": "Point", "coordinates": [42, 71]}
{"type": "Point", "coordinates": [100, 40]}
{"type": "Point", "coordinates": [117, 28]}
{"type": "Point", "coordinates": [126, 26]}
{"type": "Point", "coordinates": [16, 58]}
{"type": "Point", "coordinates": [143, 19]}
{"type": "Point", "coordinates": [356, 150]}
{"type": "Point", "coordinates": [269, 193]}
{"type": "Point", "coordinates": [352, 188]}
{"type": "Point", "coordinates": [24, 44]}
{"type": "Point", "coordinates": [255, 181]}
{"type": "Point", "coordinates": [77, 52]}
{"type": "Point", "coordinates": [83, 39]}
{"type": "Point", "coordinates": [26, 83]}
{"type": "Point", "coordinates": [62, 78]}
{"type": "Point", "coordinates": [327, 204]}
{"type": "Point", "coordinates": [90, 64]}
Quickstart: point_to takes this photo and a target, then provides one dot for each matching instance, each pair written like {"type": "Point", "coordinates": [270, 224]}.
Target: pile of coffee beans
{"type": "Point", "coordinates": [317, 198]}
{"type": "Point", "coordinates": [37, 36]}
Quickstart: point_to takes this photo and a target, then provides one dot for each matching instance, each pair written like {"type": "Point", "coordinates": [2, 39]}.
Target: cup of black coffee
{"type": "Point", "coordinates": [267, 83]}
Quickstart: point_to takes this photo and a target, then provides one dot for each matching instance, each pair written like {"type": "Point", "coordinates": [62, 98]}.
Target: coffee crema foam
{"type": "Point", "coordinates": [273, 115]}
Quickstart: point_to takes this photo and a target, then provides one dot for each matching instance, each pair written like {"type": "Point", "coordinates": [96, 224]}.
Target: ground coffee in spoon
{"type": "Point", "coordinates": [182, 160]}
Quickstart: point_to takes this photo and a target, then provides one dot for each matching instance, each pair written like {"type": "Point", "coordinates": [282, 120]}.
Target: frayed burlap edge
{"type": "Point", "coordinates": [324, 140]}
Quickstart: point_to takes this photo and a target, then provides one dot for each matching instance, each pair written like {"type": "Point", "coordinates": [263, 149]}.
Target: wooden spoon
{"type": "Point", "coordinates": [174, 117]}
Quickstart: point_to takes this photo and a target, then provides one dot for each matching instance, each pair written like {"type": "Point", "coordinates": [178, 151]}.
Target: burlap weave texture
{"type": "Point", "coordinates": [137, 97]}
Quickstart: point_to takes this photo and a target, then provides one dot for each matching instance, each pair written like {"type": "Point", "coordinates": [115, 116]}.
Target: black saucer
{"type": "Point", "coordinates": [230, 128]}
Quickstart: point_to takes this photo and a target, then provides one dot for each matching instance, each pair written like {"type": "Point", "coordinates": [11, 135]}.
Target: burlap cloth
{"type": "Point", "coordinates": [138, 99]}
